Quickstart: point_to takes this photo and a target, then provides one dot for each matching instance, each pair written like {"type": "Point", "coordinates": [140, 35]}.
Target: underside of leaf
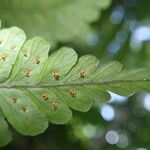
{"type": "Point", "coordinates": [36, 88]}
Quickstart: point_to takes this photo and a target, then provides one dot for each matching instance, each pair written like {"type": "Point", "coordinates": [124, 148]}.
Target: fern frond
{"type": "Point", "coordinates": [36, 88]}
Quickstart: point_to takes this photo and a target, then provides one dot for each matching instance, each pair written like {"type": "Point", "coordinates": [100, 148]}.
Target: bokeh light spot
{"type": "Point", "coordinates": [112, 137]}
{"type": "Point", "coordinates": [117, 15]}
{"type": "Point", "coordinates": [146, 102]}
{"type": "Point", "coordinates": [107, 112]}
{"type": "Point", "coordinates": [89, 131]}
{"type": "Point", "coordinates": [123, 141]}
{"type": "Point", "coordinates": [141, 149]}
{"type": "Point", "coordinates": [117, 98]}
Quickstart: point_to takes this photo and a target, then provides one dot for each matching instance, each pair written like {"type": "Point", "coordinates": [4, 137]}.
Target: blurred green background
{"type": "Point", "coordinates": [111, 30]}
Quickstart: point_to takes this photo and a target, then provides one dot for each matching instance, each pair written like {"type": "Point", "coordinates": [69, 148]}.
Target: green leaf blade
{"type": "Point", "coordinates": [50, 105]}
{"type": "Point", "coordinates": [62, 21]}
{"type": "Point", "coordinates": [11, 40]}
{"type": "Point", "coordinates": [21, 113]}
{"type": "Point", "coordinates": [5, 134]}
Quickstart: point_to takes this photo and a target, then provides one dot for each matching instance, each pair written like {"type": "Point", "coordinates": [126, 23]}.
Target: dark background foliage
{"type": "Point", "coordinates": [121, 33]}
